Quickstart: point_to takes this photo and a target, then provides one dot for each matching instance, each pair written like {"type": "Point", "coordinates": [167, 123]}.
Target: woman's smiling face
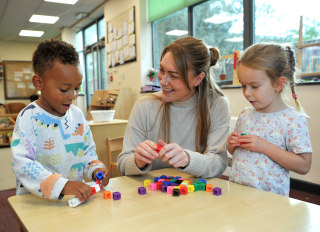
{"type": "Point", "coordinates": [173, 86]}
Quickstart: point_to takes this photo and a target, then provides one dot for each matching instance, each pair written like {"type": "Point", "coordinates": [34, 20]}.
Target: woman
{"type": "Point", "coordinates": [190, 118]}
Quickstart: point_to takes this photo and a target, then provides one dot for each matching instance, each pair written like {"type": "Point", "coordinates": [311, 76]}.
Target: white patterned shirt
{"type": "Point", "coordinates": [287, 129]}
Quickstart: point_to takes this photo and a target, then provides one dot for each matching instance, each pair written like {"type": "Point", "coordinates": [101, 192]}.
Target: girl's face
{"type": "Point", "coordinates": [173, 86]}
{"type": "Point", "coordinates": [59, 87]}
{"type": "Point", "coordinates": [257, 88]}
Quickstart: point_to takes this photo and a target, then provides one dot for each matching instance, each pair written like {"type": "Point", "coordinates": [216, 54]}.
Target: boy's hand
{"type": "Point", "coordinates": [78, 188]}
{"type": "Point", "coordinates": [106, 176]}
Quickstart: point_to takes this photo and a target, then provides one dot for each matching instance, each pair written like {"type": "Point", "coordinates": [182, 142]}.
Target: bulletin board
{"type": "Point", "coordinates": [121, 46]}
{"type": "Point", "coordinates": [18, 80]}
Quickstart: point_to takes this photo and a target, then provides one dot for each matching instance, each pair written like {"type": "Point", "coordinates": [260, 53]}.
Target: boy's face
{"type": "Point", "coordinates": [59, 87]}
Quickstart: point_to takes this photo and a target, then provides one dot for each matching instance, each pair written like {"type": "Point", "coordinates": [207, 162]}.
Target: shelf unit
{"type": "Point", "coordinates": [100, 99]}
{"type": "Point", "coordinates": [4, 141]}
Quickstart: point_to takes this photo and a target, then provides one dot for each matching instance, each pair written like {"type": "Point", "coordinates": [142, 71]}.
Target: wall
{"type": "Point", "coordinates": [131, 75]}
{"type": "Point", "coordinates": [308, 96]}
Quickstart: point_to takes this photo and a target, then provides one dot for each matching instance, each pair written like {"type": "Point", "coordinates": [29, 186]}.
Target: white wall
{"type": "Point", "coordinates": [131, 75]}
{"type": "Point", "coordinates": [308, 96]}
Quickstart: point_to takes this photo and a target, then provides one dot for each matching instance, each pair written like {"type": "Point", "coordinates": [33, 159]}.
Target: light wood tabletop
{"type": "Point", "coordinates": [239, 208]}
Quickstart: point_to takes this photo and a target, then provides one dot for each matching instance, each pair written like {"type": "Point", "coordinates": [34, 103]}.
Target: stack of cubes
{"type": "Point", "coordinates": [177, 186]}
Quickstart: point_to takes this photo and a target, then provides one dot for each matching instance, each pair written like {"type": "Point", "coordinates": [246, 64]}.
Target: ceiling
{"type": "Point", "coordinates": [15, 15]}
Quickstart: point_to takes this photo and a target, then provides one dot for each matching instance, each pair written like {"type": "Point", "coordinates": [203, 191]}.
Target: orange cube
{"type": "Point", "coordinates": [107, 195]}
{"type": "Point", "coordinates": [209, 188]}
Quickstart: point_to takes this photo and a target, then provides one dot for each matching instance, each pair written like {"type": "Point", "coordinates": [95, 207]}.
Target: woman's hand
{"type": "Point", "coordinates": [145, 152]}
{"type": "Point", "coordinates": [173, 154]}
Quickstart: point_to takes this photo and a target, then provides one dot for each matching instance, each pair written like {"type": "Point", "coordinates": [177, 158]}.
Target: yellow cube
{"type": "Point", "coordinates": [146, 182]}
{"type": "Point", "coordinates": [190, 188]}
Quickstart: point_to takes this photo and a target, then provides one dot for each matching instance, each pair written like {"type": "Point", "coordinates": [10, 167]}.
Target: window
{"type": "Point", "coordinates": [92, 57]}
{"type": "Point", "coordinates": [232, 25]}
{"type": "Point", "coordinates": [166, 30]}
{"type": "Point", "coordinates": [90, 35]}
{"type": "Point", "coordinates": [220, 24]}
{"type": "Point", "coordinates": [270, 13]}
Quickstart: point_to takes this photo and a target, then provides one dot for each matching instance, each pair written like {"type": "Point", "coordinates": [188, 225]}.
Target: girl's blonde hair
{"type": "Point", "coordinates": [276, 60]}
{"type": "Point", "coordinates": [192, 54]}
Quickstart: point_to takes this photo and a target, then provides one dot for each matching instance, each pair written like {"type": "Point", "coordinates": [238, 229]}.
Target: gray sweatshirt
{"type": "Point", "coordinates": [144, 125]}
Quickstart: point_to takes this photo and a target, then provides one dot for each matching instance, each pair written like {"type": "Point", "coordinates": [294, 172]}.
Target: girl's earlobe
{"type": "Point", "coordinates": [281, 82]}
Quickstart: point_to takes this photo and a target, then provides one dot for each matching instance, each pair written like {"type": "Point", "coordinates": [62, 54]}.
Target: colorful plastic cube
{"type": "Point", "coordinates": [146, 182]}
{"type": "Point", "coordinates": [183, 190]}
{"type": "Point", "coordinates": [202, 180]}
{"type": "Point", "coordinates": [217, 191]}
{"type": "Point", "coordinates": [153, 186]}
{"type": "Point", "coordinates": [107, 195]}
{"type": "Point", "coordinates": [202, 186]}
{"type": "Point", "coordinates": [178, 181]}
{"type": "Point", "coordinates": [169, 189]}
{"type": "Point", "coordinates": [164, 188]}
{"type": "Point", "coordinates": [188, 180]}
{"type": "Point", "coordinates": [99, 175]}
{"type": "Point", "coordinates": [116, 196]}
{"type": "Point", "coordinates": [142, 190]}
{"type": "Point", "coordinates": [190, 188]}
{"type": "Point", "coordinates": [209, 187]}
{"type": "Point", "coordinates": [163, 177]}
{"type": "Point", "coordinates": [93, 191]}
{"type": "Point", "coordinates": [176, 192]}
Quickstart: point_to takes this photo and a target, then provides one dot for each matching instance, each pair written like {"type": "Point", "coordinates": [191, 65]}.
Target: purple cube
{"type": "Point", "coordinates": [164, 188]}
{"type": "Point", "coordinates": [216, 191]}
{"type": "Point", "coordinates": [116, 195]}
{"type": "Point", "coordinates": [142, 190]}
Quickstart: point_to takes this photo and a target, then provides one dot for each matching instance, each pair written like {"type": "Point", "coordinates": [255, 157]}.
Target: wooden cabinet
{"type": "Point", "coordinates": [102, 130]}
{"type": "Point", "coordinates": [7, 122]}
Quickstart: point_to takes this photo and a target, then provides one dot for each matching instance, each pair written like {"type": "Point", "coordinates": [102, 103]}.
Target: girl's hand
{"type": "Point", "coordinates": [173, 154]}
{"type": "Point", "coordinates": [233, 140]}
{"type": "Point", "coordinates": [106, 176]}
{"type": "Point", "coordinates": [253, 143]}
{"type": "Point", "coordinates": [78, 188]}
{"type": "Point", "coordinates": [145, 152]}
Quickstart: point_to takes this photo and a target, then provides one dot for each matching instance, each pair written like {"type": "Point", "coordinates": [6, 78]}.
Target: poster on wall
{"type": "Point", "coordinates": [18, 80]}
{"type": "Point", "coordinates": [121, 45]}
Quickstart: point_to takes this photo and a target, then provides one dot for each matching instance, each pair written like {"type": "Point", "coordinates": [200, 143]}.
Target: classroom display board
{"type": "Point", "coordinates": [18, 79]}
{"type": "Point", "coordinates": [121, 46]}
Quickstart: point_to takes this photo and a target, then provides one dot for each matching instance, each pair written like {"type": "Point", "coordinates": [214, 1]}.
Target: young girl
{"type": "Point", "coordinates": [271, 138]}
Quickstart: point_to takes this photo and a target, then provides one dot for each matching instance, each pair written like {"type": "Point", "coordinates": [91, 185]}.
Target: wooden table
{"type": "Point", "coordinates": [239, 208]}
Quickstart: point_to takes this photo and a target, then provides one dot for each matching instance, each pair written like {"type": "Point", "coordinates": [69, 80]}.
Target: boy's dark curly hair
{"type": "Point", "coordinates": [50, 51]}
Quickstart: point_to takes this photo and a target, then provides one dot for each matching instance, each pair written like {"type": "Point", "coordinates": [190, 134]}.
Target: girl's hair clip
{"type": "Point", "coordinates": [294, 95]}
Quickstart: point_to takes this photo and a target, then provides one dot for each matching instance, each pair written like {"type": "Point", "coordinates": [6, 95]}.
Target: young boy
{"type": "Point", "coordinates": [52, 143]}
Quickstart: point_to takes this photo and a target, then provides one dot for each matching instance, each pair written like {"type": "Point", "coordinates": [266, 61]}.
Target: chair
{"type": "Point", "coordinates": [114, 147]}
{"type": "Point", "coordinates": [14, 107]}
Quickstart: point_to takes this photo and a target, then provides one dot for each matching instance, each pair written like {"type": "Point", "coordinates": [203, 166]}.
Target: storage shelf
{"type": "Point", "coordinates": [310, 74]}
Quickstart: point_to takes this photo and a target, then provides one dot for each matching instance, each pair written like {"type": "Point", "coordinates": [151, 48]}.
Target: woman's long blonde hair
{"type": "Point", "coordinates": [192, 54]}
